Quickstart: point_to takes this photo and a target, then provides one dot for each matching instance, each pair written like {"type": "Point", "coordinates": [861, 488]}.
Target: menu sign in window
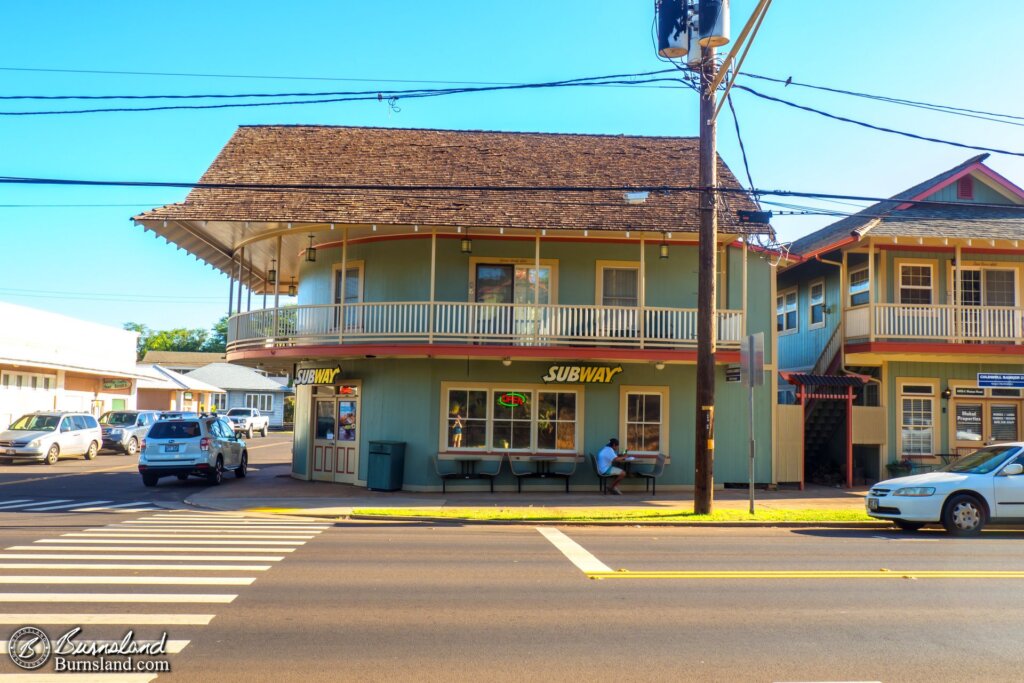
{"type": "Point", "coordinates": [968, 422]}
{"type": "Point", "coordinates": [1004, 423]}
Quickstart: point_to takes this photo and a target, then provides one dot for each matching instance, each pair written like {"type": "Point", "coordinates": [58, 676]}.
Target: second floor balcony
{"type": "Point", "coordinates": [935, 323]}
{"type": "Point", "coordinates": [447, 322]}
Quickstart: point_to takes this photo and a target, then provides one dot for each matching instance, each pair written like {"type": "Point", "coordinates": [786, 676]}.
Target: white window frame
{"type": "Point", "coordinates": [602, 266]}
{"type": "Point", "coordinates": [22, 381]}
{"type": "Point", "coordinates": [493, 388]}
{"type": "Point", "coordinates": [811, 325]}
{"type": "Point", "coordinates": [931, 395]}
{"type": "Point", "coordinates": [357, 265]}
{"type": "Point", "coordinates": [218, 401]}
{"type": "Point", "coordinates": [261, 402]}
{"type": "Point", "coordinates": [663, 423]}
{"type": "Point", "coordinates": [952, 283]}
{"type": "Point", "coordinates": [551, 264]}
{"type": "Point", "coordinates": [849, 286]}
{"type": "Point", "coordinates": [785, 309]}
{"type": "Point", "coordinates": [899, 265]}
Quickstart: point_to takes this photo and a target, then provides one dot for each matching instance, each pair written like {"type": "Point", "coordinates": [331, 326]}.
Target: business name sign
{"type": "Point", "coordinates": [1010, 380]}
{"type": "Point", "coordinates": [581, 374]}
{"type": "Point", "coordinates": [308, 376]}
{"type": "Point", "coordinates": [116, 384]}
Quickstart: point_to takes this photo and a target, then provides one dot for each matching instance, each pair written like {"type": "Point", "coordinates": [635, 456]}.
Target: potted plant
{"type": "Point", "coordinates": [899, 469]}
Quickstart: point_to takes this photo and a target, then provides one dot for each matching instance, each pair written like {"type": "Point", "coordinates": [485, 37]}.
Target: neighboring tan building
{"type": "Point", "coordinates": [163, 389]}
{"type": "Point", "coordinates": [182, 362]}
{"type": "Point", "coordinates": [245, 388]}
{"type": "Point", "coordinates": [50, 361]}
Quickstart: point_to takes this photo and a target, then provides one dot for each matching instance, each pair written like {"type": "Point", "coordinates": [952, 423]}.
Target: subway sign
{"type": "Point", "coordinates": [581, 374]}
{"type": "Point", "coordinates": [309, 376]}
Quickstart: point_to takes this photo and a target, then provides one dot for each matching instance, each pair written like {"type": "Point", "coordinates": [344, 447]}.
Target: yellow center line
{"type": "Point", "coordinates": [812, 574]}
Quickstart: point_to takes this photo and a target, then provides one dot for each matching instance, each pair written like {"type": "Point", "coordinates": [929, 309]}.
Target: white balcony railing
{"type": "Point", "coordinates": [942, 323]}
{"type": "Point", "coordinates": [455, 322]}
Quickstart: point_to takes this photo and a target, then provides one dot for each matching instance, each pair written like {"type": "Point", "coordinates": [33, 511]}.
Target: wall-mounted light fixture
{"type": "Point", "coordinates": [292, 288]}
{"type": "Point", "coordinates": [466, 244]}
{"type": "Point", "coordinates": [946, 393]}
{"type": "Point", "coordinates": [660, 365]}
{"type": "Point", "coordinates": [311, 250]}
{"type": "Point", "coordinates": [506, 361]}
{"type": "Point", "coordinates": [272, 273]}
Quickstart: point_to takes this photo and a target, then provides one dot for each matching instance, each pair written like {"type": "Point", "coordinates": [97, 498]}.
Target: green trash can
{"type": "Point", "coordinates": [387, 466]}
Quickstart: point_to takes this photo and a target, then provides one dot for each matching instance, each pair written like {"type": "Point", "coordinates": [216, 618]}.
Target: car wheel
{"type": "Point", "coordinates": [904, 525]}
{"type": "Point", "coordinates": [93, 450]}
{"type": "Point", "coordinates": [150, 480]}
{"type": "Point", "coordinates": [52, 455]}
{"type": "Point", "coordinates": [240, 470]}
{"type": "Point", "coordinates": [182, 477]}
{"type": "Point", "coordinates": [216, 475]}
{"type": "Point", "coordinates": [963, 515]}
{"type": "Point", "coordinates": [132, 448]}
{"type": "Point", "coordinates": [249, 433]}
{"type": "Point", "coordinates": [263, 432]}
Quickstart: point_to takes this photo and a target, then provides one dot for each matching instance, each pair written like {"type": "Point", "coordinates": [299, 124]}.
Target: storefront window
{"type": "Point", "coordinates": [968, 422]}
{"type": "Point", "coordinates": [513, 419]}
{"type": "Point", "coordinates": [325, 420]}
{"type": "Point", "coordinates": [917, 420]}
{"type": "Point", "coordinates": [643, 422]}
{"type": "Point", "coordinates": [556, 421]}
{"type": "Point", "coordinates": [467, 418]}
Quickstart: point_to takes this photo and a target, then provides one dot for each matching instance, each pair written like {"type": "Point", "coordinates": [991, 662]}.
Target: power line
{"type": "Point", "coordinates": [156, 298]}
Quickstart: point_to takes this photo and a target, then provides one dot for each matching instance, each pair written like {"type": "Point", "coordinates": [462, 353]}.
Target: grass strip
{"type": "Point", "coordinates": [603, 515]}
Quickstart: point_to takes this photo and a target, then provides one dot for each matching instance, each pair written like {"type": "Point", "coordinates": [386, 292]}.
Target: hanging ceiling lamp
{"type": "Point", "coordinates": [663, 249]}
{"type": "Point", "coordinates": [311, 250]}
{"type": "Point", "coordinates": [467, 244]}
{"type": "Point", "coordinates": [272, 274]}
{"type": "Point", "coordinates": [293, 288]}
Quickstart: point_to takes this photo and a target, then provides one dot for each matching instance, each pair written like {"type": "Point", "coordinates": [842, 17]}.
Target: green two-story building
{"type": "Point", "coordinates": [480, 296]}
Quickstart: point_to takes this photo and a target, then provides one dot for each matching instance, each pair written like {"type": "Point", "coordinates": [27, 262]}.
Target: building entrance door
{"type": "Point", "coordinates": [346, 463]}
{"type": "Point", "coordinates": [325, 429]}
{"type": "Point", "coordinates": [981, 422]}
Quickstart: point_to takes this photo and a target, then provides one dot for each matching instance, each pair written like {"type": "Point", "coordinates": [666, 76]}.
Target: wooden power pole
{"type": "Point", "coordinates": [707, 328]}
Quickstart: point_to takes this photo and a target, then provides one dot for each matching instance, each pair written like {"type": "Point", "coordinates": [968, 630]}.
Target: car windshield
{"type": "Point", "coordinates": [35, 423]}
{"type": "Point", "coordinates": [238, 411]}
{"type": "Point", "coordinates": [177, 429]}
{"type": "Point", "coordinates": [117, 419]}
{"type": "Point", "coordinates": [982, 461]}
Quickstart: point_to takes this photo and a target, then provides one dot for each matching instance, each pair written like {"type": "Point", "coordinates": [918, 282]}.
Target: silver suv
{"type": "Point", "coordinates": [46, 436]}
{"type": "Point", "coordinates": [123, 430]}
{"type": "Point", "coordinates": [202, 447]}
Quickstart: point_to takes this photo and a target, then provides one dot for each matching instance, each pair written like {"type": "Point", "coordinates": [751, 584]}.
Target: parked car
{"type": "Point", "coordinates": [177, 414]}
{"type": "Point", "coordinates": [46, 436]}
{"type": "Point", "coordinates": [987, 485]}
{"type": "Point", "coordinates": [249, 421]}
{"type": "Point", "coordinates": [203, 447]}
{"type": "Point", "coordinates": [123, 430]}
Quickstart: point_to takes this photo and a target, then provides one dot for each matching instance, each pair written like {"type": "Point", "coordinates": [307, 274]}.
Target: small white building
{"type": "Point", "coordinates": [163, 389]}
{"type": "Point", "coordinates": [50, 361]}
{"type": "Point", "coordinates": [247, 388]}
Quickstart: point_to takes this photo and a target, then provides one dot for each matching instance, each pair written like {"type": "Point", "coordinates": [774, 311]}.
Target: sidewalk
{"type": "Point", "coordinates": [278, 493]}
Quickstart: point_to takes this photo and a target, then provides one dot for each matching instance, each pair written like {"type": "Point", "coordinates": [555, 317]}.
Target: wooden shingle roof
{"type": "Point", "coordinates": [413, 159]}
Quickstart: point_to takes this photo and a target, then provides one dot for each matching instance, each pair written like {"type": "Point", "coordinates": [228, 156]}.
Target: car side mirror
{"type": "Point", "coordinates": [1013, 470]}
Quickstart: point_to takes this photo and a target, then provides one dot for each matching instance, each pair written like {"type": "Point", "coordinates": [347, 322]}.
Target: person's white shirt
{"type": "Point", "coordinates": [605, 456]}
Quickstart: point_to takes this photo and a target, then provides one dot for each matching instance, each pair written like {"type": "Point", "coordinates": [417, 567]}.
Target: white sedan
{"type": "Point", "coordinates": [987, 485]}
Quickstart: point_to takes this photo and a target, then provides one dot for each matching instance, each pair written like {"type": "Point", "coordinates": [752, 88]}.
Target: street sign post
{"type": "Point", "coordinates": [752, 375]}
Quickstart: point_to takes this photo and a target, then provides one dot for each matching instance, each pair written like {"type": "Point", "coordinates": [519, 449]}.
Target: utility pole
{"type": "Point", "coordinates": [707, 329]}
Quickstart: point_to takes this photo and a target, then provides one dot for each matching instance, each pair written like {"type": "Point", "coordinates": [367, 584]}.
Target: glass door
{"type": "Point", "coordinates": [347, 442]}
{"type": "Point", "coordinates": [1002, 422]}
{"type": "Point", "coordinates": [353, 281]}
{"type": "Point", "coordinates": [324, 433]}
{"type": "Point", "coordinates": [495, 287]}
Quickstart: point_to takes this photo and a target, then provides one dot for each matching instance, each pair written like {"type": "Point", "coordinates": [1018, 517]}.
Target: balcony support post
{"type": "Point", "coordinates": [248, 302]}
{"type": "Point", "coordinates": [536, 288]}
{"type": "Point", "coordinates": [643, 290]}
{"type": "Point", "coordinates": [277, 289]}
{"type": "Point", "coordinates": [433, 284]}
{"type": "Point", "coordinates": [872, 293]}
{"type": "Point", "coordinates": [241, 260]}
{"type": "Point", "coordinates": [231, 286]}
{"type": "Point", "coordinates": [958, 288]}
{"type": "Point", "coordinates": [344, 281]}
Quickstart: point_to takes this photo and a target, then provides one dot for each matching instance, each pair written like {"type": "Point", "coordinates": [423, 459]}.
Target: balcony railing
{"type": "Point", "coordinates": [942, 323]}
{"type": "Point", "coordinates": [469, 323]}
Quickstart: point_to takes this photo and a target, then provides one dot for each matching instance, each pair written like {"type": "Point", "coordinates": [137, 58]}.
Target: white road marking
{"type": "Point", "coordinates": [91, 548]}
{"type": "Point", "coordinates": [164, 541]}
{"type": "Point", "coordinates": [131, 580]}
{"type": "Point", "coordinates": [218, 598]}
{"type": "Point", "coordinates": [192, 533]}
{"type": "Point", "coordinates": [134, 503]}
{"type": "Point", "coordinates": [16, 500]}
{"type": "Point", "coordinates": [106, 556]}
{"type": "Point", "coordinates": [33, 504]}
{"type": "Point", "coordinates": [150, 567]}
{"type": "Point", "coordinates": [80, 619]}
{"type": "Point", "coordinates": [144, 524]}
{"type": "Point", "coordinates": [136, 506]}
{"type": "Point", "coordinates": [65, 505]}
{"type": "Point", "coordinates": [173, 647]}
{"type": "Point", "coordinates": [576, 553]}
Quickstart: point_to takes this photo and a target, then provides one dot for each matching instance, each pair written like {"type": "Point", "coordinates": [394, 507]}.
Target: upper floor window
{"type": "Point", "coordinates": [620, 286]}
{"type": "Point", "coordinates": [860, 287]}
{"type": "Point", "coordinates": [965, 188]}
{"type": "Point", "coordinates": [915, 284]}
{"type": "Point", "coordinates": [785, 311]}
{"type": "Point", "coordinates": [817, 304]}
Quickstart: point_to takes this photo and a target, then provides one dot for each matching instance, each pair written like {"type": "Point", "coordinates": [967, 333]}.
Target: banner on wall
{"type": "Point", "coordinates": [581, 374]}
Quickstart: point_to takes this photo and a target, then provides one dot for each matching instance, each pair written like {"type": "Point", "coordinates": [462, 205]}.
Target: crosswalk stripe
{"type": "Point", "coordinates": [64, 505]}
{"type": "Point", "coordinates": [147, 567]}
{"type": "Point", "coordinates": [93, 548]}
{"type": "Point", "coordinates": [79, 619]}
{"type": "Point", "coordinates": [34, 503]}
{"type": "Point", "coordinates": [16, 500]}
{"type": "Point", "coordinates": [130, 580]}
{"type": "Point", "coordinates": [107, 556]}
{"type": "Point", "coordinates": [185, 535]}
{"type": "Point", "coordinates": [134, 503]}
{"type": "Point", "coordinates": [128, 511]}
{"type": "Point", "coordinates": [143, 524]}
{"type": "Point", "coordinates": [214, 533]}
{"type": "Point", "coordinates": [165, 541]}
{"type": "Point", "coordinates": [217, 598]}
{"type": "Point", "coordinates": [174, 647]}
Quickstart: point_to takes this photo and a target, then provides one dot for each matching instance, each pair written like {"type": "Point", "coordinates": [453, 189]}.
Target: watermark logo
{"type": "Point", "coordinates": [29, 648]}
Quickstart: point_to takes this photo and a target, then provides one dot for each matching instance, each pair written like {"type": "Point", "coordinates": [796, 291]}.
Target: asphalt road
{"type": "Point", "coordinates": [273, 599]}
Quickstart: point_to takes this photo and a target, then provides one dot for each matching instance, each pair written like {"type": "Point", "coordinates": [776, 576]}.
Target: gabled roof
{"type": "Point", "coordinates": [412, 158]}
{"type": "Point", "coordinates": [897, 217]}
{"type": "Point", "coordinates": [156, 377]}
{"type": "Point", "coordinates": [232, 377]}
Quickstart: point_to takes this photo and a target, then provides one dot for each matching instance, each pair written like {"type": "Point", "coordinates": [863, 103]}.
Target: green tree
{"type": "Point", "coordinates": [217, 342]}
{"type": "Point", "coordinates": [180, 339]}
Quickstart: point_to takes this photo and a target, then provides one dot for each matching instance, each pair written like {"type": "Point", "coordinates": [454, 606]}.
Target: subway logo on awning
{"type": "Point", "coordinates": [584, 374]}
{"type": "Point", "coordinates": [317, 376]}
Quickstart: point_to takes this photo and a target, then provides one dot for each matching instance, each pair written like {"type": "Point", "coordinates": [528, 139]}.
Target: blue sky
{"type": "Point", "coordinates": [91, 262]}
